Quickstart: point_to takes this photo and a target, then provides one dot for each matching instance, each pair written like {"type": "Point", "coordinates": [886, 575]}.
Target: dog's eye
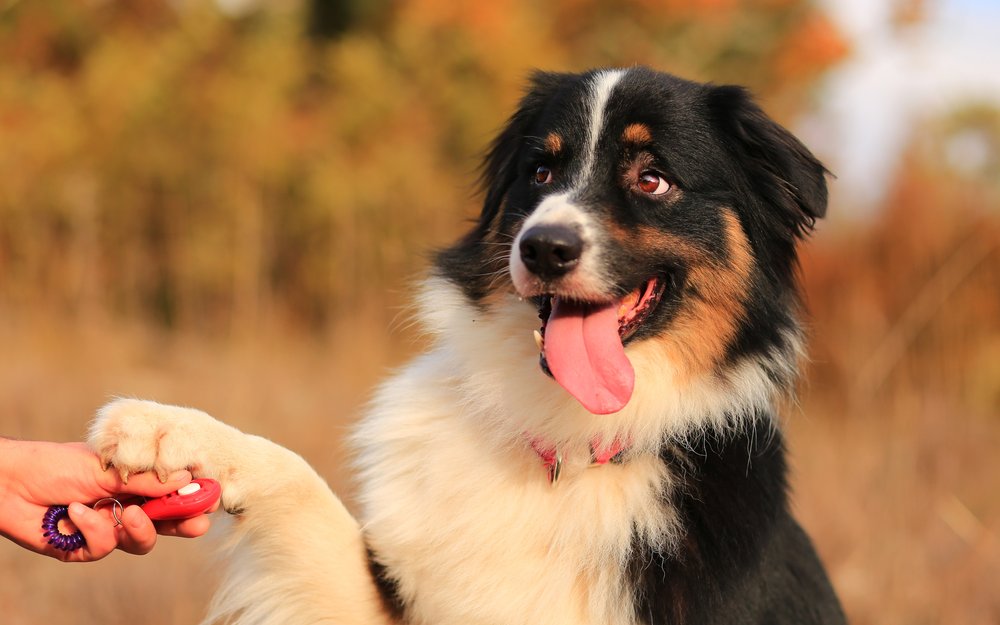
{"type": "Point", "coordinates": [652, 183]}
{"type": "Point", "coordinates": [543, 175]}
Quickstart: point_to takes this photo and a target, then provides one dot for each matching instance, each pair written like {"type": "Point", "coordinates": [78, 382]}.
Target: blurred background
{"type": "Point", "coordinates": [222, 204]}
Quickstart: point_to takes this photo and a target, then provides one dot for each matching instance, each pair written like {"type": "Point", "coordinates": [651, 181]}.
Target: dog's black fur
{"type": "Point", "coordinates": [741, 558]}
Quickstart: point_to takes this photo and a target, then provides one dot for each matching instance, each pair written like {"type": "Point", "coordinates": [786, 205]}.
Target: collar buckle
{"type": "Point", "coordinates": [552, 458]}
{"type": "Point", "coordinates": [554, 467]}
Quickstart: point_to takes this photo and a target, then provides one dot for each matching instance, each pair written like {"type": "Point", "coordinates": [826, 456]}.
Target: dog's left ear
{"type": "Point", "coordinates": [779, 168]}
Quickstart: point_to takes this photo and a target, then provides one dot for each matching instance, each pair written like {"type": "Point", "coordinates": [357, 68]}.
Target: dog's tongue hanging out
{"type": "Point", "coordinates": [585, 355]}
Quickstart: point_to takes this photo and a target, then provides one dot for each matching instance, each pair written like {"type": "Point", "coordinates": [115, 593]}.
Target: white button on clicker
{"type": "Point", "coordinates": [193, 487]}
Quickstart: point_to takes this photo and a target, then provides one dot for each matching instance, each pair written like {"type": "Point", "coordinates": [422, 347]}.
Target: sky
{"type": "Point", "coordinates": [895, 78]}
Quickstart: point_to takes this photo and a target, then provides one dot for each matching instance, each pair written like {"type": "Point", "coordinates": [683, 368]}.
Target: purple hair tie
{"type": "Point", "coordinates": [63, 542]}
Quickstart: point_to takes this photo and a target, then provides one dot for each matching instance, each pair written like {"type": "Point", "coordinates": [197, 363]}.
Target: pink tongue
{"type": "Point", "coordinates": [586, 357]}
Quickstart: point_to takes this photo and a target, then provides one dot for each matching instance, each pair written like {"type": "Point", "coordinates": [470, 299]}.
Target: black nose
{"type": "Point", "coordinates": [550, 251]}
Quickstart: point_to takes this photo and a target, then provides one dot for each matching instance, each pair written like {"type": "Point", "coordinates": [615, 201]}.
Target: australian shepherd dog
{"type": "Point", "coordinates": [592, 436]}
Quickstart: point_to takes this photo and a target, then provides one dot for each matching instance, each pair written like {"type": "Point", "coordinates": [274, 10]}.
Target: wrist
{"type": "Point", "coordinates": [10, 457]}
{"type": "Point", "coordinates": [17, 459]}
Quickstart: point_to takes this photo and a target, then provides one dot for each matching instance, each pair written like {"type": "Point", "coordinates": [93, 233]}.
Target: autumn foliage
{"type": "Point", "coordinates": [171, 162]}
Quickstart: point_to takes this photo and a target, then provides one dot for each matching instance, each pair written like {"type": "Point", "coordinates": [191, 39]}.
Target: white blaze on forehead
{"type": "Point", "coordinates": [601, 86]}
{"type": "Point", "coordinates": [588, 280]}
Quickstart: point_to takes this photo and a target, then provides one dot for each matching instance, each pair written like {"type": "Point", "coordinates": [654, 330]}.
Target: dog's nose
{"type": "Point", "coordinates": [550, 251]}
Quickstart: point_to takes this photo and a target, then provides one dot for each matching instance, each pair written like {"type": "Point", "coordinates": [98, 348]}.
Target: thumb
{"type": "Point", "coordinates": [96, 529]}
{"type": "Point", "coordinates": [149, 485]}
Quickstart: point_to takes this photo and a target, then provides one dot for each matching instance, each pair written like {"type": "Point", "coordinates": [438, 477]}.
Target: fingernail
{"type": "Point", "coordinates": [77, 509]}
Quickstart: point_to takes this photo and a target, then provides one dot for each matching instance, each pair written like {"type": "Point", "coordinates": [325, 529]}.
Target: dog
{"type": "Point", "coordinates": [592, 436]}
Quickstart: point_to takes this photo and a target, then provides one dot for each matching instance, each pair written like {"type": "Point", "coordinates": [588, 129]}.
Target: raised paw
{"type": "Point", "coordinates": [135, 436]}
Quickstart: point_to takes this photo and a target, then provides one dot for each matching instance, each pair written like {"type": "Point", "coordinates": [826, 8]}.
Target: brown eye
{"type": "Point", "coordinates": [652, 183]}
{"type": "Point", "coordinates": [543, 175]}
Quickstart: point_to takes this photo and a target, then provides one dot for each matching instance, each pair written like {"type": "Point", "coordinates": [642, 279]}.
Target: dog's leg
{"type": "Point", "coordinates": [297, 555]}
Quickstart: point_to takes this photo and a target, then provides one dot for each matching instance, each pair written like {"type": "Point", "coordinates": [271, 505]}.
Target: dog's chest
{"type": "Point", "coordinates": [474, 532]}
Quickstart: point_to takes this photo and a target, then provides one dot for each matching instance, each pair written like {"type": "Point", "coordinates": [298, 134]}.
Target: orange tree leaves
{"type": "Point", "coordinates": [174, 162]}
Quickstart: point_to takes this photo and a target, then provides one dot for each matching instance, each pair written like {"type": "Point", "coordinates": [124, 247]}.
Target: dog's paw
{"type": "Point", "coordinates": [135, 436]}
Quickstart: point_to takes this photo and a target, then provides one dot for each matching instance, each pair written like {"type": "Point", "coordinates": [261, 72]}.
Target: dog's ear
{"type": "Point", "coordinates": [778, 167]}
{"type": "Point", "coordinates": [499, 169]}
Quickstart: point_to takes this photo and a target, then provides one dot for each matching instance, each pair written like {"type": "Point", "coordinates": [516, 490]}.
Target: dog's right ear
{"type": "Point", "coordinates": [499, 169]}
{"type": "Point", "coordinates": [782, 170]}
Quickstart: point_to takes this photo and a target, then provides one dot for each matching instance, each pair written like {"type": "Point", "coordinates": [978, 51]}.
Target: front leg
{"type": "Point", "coordinates": [136, 436]}
{"type": "Point", "coordinates": [290, 531]}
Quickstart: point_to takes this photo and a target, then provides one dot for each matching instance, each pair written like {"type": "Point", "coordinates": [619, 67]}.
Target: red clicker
{"type": "Point", "coordinates": [187, 502]}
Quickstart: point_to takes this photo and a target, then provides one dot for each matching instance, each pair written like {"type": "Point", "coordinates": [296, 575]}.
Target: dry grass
{"type": "Point", "coordinates": [902, 505]}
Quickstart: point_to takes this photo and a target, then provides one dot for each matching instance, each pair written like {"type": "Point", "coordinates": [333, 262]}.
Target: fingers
{"type": "Point", "coordinates": [187, 528]}
{"type": "Point", "coordinates": [138, 535]}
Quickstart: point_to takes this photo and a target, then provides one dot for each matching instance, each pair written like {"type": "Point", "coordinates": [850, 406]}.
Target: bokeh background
{"type": "Point", "coordinates": [222, 204]}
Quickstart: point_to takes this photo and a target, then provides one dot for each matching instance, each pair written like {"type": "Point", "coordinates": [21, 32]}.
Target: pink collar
{"type": "Point", "coordinates": [552, 458]}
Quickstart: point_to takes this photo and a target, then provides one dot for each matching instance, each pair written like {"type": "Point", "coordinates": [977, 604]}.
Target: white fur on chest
{"type": "Point", "coordinates": [474, 531]}
{"type": "Point", "coordinates": [458, 506]}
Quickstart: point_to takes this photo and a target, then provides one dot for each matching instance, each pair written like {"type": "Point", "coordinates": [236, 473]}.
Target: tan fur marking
{"type": "Point", "coordinates": [638, 134]}
{"type": "Point", "coordinates": [707, 322]}
{"type": "Point", "coordinates": [553, 143]}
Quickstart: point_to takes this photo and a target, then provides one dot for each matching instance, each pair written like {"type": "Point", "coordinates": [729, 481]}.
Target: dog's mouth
{"type": "Point", "coordinates": [582, 344]}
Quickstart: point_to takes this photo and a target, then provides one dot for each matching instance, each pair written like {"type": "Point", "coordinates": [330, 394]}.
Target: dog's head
{"type": "Point", "coordinates": [631, 206]}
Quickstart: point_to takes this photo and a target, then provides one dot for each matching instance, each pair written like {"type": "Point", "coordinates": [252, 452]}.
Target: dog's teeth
{"type": "Point", "coordinates": [539, 341]}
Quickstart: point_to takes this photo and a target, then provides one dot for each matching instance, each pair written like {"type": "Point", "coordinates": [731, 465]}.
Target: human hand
{"type": "Point", "coordinates": [37, 474]}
